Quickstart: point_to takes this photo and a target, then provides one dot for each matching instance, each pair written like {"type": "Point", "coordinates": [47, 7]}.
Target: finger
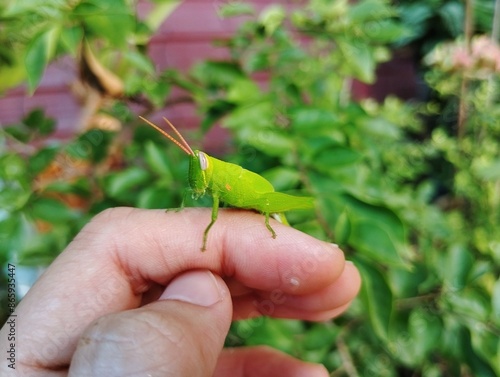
{"type": "Point", "coordinates": [123, 252]}
{"type": "Point", "coordinates": [181, 335]}
{"type": "Point", "coordinates": [264, 362]}
{"type": "Point", "coordinates": [335, 295]}
{"type": "Point", "coordinates": [239, 246]}
{"type": "Point", "coordinates": [256, 308]}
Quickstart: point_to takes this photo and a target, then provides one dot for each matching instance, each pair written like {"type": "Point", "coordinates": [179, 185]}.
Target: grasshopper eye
{"type": "Point", "coordinates": [203, 161]}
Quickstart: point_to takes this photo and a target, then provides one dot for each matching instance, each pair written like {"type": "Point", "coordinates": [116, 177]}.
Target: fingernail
{"type": "Point", "coordinates": [196, 287]}
{"type": "Point", "coordinates": [349, 262]}
{"type": "Point", "coordinates": [334, 245]}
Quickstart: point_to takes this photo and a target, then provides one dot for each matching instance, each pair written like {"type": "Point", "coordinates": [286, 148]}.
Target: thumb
{"type": "Point", "coordinates": [181, 334]}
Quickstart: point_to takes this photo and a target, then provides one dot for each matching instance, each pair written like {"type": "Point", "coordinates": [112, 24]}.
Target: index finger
{"type": "Point", "coordinates": [150, 246]}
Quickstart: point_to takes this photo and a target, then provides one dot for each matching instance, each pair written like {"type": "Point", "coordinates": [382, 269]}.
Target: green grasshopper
{"type": "Point", "coordinates": [234, 186]}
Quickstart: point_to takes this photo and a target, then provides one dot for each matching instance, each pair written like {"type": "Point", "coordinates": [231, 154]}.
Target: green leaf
{"type": "Point", "coordinates": [376, 297]}
{"type": "Point", "coordinates": [42, 159]}
{"type": "Point", "coordinates": [80, 187]}
{"type": "Point", "coordinates": [120, 184]}
{"type": "Point", "coordinates": [342, 229]}
{"type": "Point", "coordinates": [407, 282]}
{"type": "Point", "coordinates": [276, 333]}
{"type": "Point", "coordinates": [488, 172]}
{"type": "Point", "coordinates": [415, 15]}
{"type": "Point", "coordinates": [452, 14]}
{"type": "Point", "coordinates": [270, 141]}
{"type": "Point", "coordinates": [38, 250]}
{"type": "Point", "coordinates": [313, 227]}
{"type": "Point", "coordinates": [71, 38]}
{"type": "Point", "coordinates": [380, 127]}
{"type": "Point", "coordinates": [13, 196]}
{"type": "Point", "coordinates": [92, 145]}
{"type": "Point", "coordinates": [282, 178]}
{"type": "Point", "coordinates": [216, 111]}
{"type": "Point", "coordinates": [139, 61]}
{"type": "Point", "coordinates": [272, 17]}
{"type": "Point", "coordinates": [244, 90]}
{"type": "Point", "coordinates": [256, 61]}
{"type": "Point", "coordinates": [383, 216]}
{"type": "Point", "coordinates": [487, 345]}
{"type": "Point", "coordinates": [18, 132]}
{"type": "Point", "coordinates": [156, 197]}
{"type": "Point", "coordinates": [309, 119]}
{"type": "Point", "coordinates": [218, 73]}
{"type": "Point", "coordinates": [235, 9]}
{"type": "Point", "coordinates": [36, 58]}
{"type": "Point", "coordinates": [109, 19]}
{"type": "Point", "coordinates": [320, 335]}
{"type": "Point", "coordinates": [359, 59]}
{"type": "Point", "coordinates": [158, 93]}
{"type": "Point", "coordinates": [479, 367]}
{"type": "Point", "coordinates": [336, 156]}
{"type": "Point", "coordinates": [424, 329]}
{"type": "Point", "coordinates": [385, 31]}
{"type": "Point", "coordinates": [495, 303]}
{"type": "Point", "coordinates": [254, 117]}
{"type": "Point", "coordinates": [36, 120]}
{"type": "Point", "coordinates": [458, 265]}
{"type": "Point", "coordinates": [52, 211]}
{"type": "Point", "coordinates": [47, 127]}
{"type": "Point", "coordinates": [12, 167]}
{"type": "Point", "coordinates": [363, 11]}
{"type": "Point", "coordinates": [372, 240]}
{"type": "Point", "coordinates": [157, 160]}
{"type": "Point", "coordinates": [469, 302]}
{"type": "Point", "coordinates": [160, 12]}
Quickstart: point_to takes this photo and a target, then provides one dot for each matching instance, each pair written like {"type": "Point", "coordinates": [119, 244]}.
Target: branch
{"type": "Point", "coordinates": [469, 30]}
{"type": "Point", "coordinates": [345, 355]}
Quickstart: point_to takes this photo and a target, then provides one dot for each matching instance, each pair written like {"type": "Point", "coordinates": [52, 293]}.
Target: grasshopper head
{"type": "Point", "coordinates": [199, 173]}
{"type": "Point", "coordinates": [200, 169]}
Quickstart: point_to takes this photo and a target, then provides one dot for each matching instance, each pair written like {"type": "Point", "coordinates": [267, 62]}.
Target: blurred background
{"type": "Point", "coordinates": [387, 112]}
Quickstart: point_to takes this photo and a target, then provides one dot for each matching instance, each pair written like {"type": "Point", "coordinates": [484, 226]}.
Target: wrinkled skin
{"type": "Point", "coordinates": [132, 295]}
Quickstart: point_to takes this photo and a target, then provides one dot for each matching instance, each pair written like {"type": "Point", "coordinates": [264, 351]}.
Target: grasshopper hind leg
{"type": "Point", "coordinates": [280, 216]}
{"type": "Point", "coordinates": [268, 226]}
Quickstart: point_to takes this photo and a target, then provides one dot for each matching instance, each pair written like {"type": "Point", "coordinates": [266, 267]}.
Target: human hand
{"type": "Point", "coordinates": [132, 295]}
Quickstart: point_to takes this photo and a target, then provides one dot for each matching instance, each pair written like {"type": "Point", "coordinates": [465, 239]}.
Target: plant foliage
{"type": "Point", "coordinates": [411, 191]}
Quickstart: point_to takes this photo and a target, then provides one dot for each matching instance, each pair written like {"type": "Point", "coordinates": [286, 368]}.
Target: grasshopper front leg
{"type": "Point", "coordinates": [215, 212]}
{"type": "Point", "coordinates": [185, 193]}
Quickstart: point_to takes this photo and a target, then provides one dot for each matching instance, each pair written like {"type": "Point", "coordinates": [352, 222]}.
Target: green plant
{"type": "Point", "coordinates": [413, 202]}
{"type": "Point", "coordinates": [435, 21]}
{"type": "Point", "coordinates": [426, 282]}
{"type": "Point", "coordinates": [50, 188]}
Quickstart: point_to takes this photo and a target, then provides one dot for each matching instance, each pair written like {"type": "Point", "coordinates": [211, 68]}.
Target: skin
{"type": "Point", "coordinates": [132, 295]}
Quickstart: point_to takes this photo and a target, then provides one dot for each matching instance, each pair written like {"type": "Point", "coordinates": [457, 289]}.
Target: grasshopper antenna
{"type": "Point", "coordinates": [181, 144]}
{"type": "Point", "coordinates": [180, 136]}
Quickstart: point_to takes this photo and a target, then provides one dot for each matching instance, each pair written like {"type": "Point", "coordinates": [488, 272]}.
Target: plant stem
{"type": "Point", "coordinates": [469, 30]}
{"type": "Point", "coordinates": [347, 361]}
{"type": "Point", "coordinates": [338, 372]}
{"type": "Point", "coordinates": [495, 27]}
